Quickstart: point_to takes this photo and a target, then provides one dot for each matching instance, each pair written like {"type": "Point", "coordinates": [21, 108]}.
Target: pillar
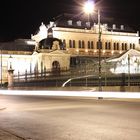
{"type": "Point", "coordinates": [10, 78]}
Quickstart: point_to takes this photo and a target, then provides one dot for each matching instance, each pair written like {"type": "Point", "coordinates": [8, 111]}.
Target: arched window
{"type": "Point", "coordinates": [70, 43]}
{"type": "Point", "coordinates": [125, 46]}
{"type": "Point", "coordinates": [73, 43]}
{"type": "Point", "coordinates": [130, 45]}
{"type": "Point", "coordinates": [114, 44]}
{"type": "Point", "coordinates": [88, 44]}
{"type": "Point", "coordinates": [80, 44]}
{"type": "Point", "coordinates": [83, 44]}
{"type": "Point", "coordinates": [133, 46]}
{"type": "Point", "coordinates": [117, 46]}
{"type": "Point", "coordinates": [109, 46]}
{"type": "Point", "coordinates": [64, 44]}
{"type": "Point", "coordinates": [92, 45]}
{"type": "Point", "coordinates": [122, 46]}
{"type": "Point", "coordinates": [106, 45]}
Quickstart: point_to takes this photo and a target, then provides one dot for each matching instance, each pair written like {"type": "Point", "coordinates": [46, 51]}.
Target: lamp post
{"type": "Point", "coordinates": [89, 8]}
{"type": "Point", "coordinates": [99, 48]}
{"type": "Point", "coordinates": [129, 71]}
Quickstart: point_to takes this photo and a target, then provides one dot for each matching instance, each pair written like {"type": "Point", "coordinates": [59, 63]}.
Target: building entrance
{"type": "Point", "coordinates": [56, 67]}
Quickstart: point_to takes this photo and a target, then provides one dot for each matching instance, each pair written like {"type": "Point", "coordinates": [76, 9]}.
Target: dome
{"type": "Point", "coordinates": [51, 43]}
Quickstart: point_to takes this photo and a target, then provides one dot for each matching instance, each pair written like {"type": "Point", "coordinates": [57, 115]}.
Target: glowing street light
{"type": "Point", "coordinates": [89, 8]}
{"type": "Point", "coordinates": [10, 62]}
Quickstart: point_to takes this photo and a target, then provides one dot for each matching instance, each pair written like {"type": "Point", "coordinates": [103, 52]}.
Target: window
{"type": "Point", "coordinates": [72, 43]}
{"type": "Point", "coordinates": [133, 46]}
{"type": "Point", "coordinates": [107, 45]}
{"type": "Point", "coordinates": [89, 45]}
{"type": "Point", "coordinates": [80, 44]}
{"type": "Point", "coordinates": [125, 46]}
{"type": "Point", "coordinates": [83, 44]}
{"type": "Point", "coordinates": [117, 46]}
{"type": "Point", "coordinates": [64, 44]}
{"type": "Point", "coordinates": [122, 46]}
{"type": "Point", "coordinates": [130, 45]}
{"type": "Point", "coordinates": [92, 45]}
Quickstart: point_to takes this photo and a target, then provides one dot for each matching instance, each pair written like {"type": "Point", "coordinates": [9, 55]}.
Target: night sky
{"type": "Point", "coordinates": [21, 18]}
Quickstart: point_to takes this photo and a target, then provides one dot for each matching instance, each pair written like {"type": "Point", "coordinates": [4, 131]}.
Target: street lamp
{"type": "Point", "coordinates": [89, 8]}
{"type": "Point", "coordinates": [10, 62]}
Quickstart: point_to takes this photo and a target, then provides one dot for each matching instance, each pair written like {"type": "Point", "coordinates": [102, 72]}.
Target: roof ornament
{"type": "Point", "coordinates": [42, 34]}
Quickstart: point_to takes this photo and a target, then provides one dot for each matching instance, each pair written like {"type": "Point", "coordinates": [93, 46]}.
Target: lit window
{"type": "Point", "coordinates": [133, 46]}
{"type": "Point", "coordinates": [83, 44]}
{"type": "Point", "coordinates": [117, 46]}
{"type": "Point", "coordinates": [88, 44]}
{"type": "Point", "coordinates": [70, 43]}
{"type": "Point", "coordinates": [125, 46]}
{"type": "Point", "coordinates": [80, 44]}
{"type": "Point", "coordinates": [92, 45]}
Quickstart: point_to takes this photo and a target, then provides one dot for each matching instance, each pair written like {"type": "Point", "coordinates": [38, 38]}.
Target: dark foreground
{"type": "Point", "coordinates": [68, 118]}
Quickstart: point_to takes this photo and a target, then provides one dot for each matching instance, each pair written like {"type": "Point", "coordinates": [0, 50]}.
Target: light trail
{"type": "Point", "coordinates": [133, 95]}
{"type": "Point", "coordinates": [85, 76]}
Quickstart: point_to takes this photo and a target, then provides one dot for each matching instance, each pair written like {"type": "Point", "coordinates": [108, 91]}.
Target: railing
{"type": "Point", "coordinates": [78, 77]}
{"type": "Point", "coordinates": [39, 75]}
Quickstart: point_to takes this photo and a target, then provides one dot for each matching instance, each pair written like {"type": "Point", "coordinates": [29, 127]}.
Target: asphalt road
{"type": "Point", "coordinates": [69, 118]}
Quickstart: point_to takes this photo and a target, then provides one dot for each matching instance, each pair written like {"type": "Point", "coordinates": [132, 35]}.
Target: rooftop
{"type": "Point", "coordinates": [80, 22]}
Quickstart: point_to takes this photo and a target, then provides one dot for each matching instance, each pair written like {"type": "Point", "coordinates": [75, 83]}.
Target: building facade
{"type": "Point", "coordinates": [82, 41]}
{"type": "Point", "coordinates": [25, 60]}
{"type": "Point", "coordinates": [53, 46]}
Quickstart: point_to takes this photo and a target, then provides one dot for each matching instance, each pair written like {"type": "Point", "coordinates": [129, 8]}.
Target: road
{"type": "Point", "coordinates": [69, 118]}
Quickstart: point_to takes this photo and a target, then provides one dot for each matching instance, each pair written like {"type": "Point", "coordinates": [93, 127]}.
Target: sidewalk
{"type": "Point", "coordinates": [8, 136]}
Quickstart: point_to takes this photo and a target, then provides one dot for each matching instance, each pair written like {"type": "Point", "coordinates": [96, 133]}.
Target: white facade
{"type": "Point", "coordinates": [84, 41]}
{"type": "Point", "coordinates": [37, 62]}
{"type": "Point", "coordinates": [45, 60]}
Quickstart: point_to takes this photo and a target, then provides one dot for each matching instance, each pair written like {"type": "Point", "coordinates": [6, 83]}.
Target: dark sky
{"type": "Point", "coordinates": [21, 18]}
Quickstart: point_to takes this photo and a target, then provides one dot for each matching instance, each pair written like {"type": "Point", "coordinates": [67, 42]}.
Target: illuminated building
{"type": "Point", "coordinates": [25, 59]}
{"type": "Point", "coordinates": [81, 38]}
{"type": "Point", "coordinates": [58, 45]}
